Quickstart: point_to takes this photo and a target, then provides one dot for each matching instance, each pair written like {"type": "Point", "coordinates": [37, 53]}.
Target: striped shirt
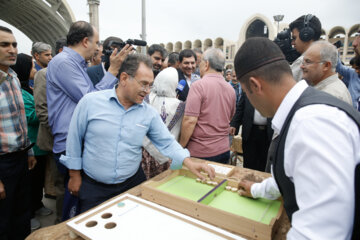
{"type": "Point", "coordinates": [13, 127]}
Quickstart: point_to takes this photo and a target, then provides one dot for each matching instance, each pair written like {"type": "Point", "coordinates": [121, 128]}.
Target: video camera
{"type": "Point", "coordinates": [283, 40]}
{"type": "Point", "coordinates": [120, 45]}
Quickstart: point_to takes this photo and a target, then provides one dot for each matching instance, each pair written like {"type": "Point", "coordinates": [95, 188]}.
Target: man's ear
{"type": "Point", "coordinates": [36, 56]}
{"type": "Point", "coordinates": [85, 42]}
{"type": "Point", "coordinates": [255, 85]}
{"type": "Point", "coordinates": [327, 65]}
{"type": "Point", "coordinates": [123, 79]}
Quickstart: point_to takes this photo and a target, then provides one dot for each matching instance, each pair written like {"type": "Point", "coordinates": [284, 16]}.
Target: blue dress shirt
{"type": "Point", "coordinates": [66, 83]}
{"type": "Point", "coordinates": [351, 79]}
{"type": "Point", "coordinates": [112, 137]}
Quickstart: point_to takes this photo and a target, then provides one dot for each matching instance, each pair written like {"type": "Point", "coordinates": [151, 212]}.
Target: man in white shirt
{"type": "Point", "coordinates": [315, 150]}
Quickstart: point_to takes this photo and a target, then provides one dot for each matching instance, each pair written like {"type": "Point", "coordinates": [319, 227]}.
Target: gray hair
{"type": "Point", "coordinates": [328, 52]}
{"type": "Point", "coordinates": [216, 58]}
{"type": "Point", "coordinates": [132, 62]}
{"type": "Point", "coordinates": [40, 47]}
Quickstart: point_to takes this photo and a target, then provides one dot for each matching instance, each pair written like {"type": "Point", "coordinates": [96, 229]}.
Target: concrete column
{"type": "Point", "coordinates": [94, 13]}
{"type": "Point", "coordinates": [345, 48]}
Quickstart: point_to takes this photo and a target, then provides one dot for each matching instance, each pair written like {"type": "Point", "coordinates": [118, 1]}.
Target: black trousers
{"type": "Point", "coordinates": [37, 183]}
{"type": "Point", "coordinates": [92, 193]}
{"type": "Point", "coordinates": [15, 209]}
{"type": "Point", "coordinates": [255, 148]}
{"type": "Point", "coordinates": [221, 158]}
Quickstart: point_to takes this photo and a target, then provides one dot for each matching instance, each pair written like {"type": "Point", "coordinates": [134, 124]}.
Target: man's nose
{"type": "Point", "coordinates": [12, 49]}
{"type": "Point", "coordinates": [356, 42]}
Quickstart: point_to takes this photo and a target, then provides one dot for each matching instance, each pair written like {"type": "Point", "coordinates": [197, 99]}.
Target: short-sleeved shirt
{"type": "Point", "coordinates": [212, 100]}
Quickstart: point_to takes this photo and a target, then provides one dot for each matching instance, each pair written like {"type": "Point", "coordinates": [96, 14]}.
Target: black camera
{"type": "Point", "coordinates": [283, 40]}
{"type": "Point", "coordinates": [120, 45]}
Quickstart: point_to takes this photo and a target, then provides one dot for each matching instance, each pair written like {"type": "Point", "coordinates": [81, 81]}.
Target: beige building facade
{"type": "Point", "coordinates": [260, 25]}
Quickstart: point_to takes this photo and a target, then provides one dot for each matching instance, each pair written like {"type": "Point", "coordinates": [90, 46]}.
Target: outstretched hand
{"type": "Point", "coordinates": [116, 59]}
{"type": "Point", "coordinates": [196, 167]}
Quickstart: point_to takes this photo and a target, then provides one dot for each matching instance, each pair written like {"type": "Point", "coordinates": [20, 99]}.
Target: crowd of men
{"type": "Point", "coordinates": [93, 114]}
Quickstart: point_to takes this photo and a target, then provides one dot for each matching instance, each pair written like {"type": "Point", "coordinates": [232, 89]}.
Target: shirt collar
{"type": "Point", "coordinates": [287, 103]}
{"type": "Point", "coordinates": [331, 79]}
{"type": "Point", "coordinates": [37, 66]}
{"type": "Point", "coordinates": [113, 95]}
{"type": "Point", "coordinates": [76, 56]}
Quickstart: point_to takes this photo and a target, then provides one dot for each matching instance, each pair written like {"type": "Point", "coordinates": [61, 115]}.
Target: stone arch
{"type": "Point", "coordinates": [323, 35]}
{"type": "Point", "coordinates": [257, 28]}
{"type": "Point", "coordinates": [351, 37]}
{"type": "Point", "coordinates": [219, 43]}
{"type": "Point", "coordinates": [39, 20]}
{"type": "Point", "coordinates": [208, 43]}
{"type": "Point", "coordinates": [354, 29]}
{"type": "Point", "coordinates": [336, 34]}
{"type": "Point", "coordinates": [169, 47]}
{"type": "Point", "coordinates": [257, 18]}
{"type": "Point", "coordinates": [197, 44]}
{"type": "Point", "coordinates": [335, 31]}
{"type": "Point", "coordinates": [178, 46]}
{"type": "Point", "coordinates": [187, 45]}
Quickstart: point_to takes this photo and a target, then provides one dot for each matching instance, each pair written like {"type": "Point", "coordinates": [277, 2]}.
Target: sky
{"type": "Point", "coordinates": [181, 20]}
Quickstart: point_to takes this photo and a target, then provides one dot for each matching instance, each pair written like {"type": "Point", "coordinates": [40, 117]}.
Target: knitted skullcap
{"type": "Point", "coordinates": [255, 53]}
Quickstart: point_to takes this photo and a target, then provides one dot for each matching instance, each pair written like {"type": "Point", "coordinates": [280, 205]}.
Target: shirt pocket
{"type": "Point", "coordinates": [136, 133]}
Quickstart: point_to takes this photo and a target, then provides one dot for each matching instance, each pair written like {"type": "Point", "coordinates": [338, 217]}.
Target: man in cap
{"type": "Point", "coordinates": [314, 154]}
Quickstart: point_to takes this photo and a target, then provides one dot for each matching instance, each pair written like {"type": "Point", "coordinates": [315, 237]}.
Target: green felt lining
{"type": "Point", "coordinates": [260, 210]}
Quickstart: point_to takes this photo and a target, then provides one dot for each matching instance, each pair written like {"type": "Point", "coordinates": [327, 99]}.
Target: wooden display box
{"type": "Point", "coordinates": [123, 216]}
{"type": "Point", "coordinates": [225, 219]}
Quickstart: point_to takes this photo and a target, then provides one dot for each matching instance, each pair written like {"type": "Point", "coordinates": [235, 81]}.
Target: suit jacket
{"type": "Point", "coordinates": [96, 73]}
{"type": "Point", "coordinates": [183, 94]}
{"type": "Point", "coordinates": [44, 138]}
{"type": "Point", "coordinates": [244, 116]}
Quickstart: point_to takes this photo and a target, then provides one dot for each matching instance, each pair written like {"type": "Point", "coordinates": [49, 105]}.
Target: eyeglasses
{"type": "Point", "coordinates": [144, 87]}
{"type": "Point", "coordinates": [307, 62]}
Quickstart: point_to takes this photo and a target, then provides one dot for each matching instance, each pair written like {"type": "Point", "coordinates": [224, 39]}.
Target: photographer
{"type": "Point", "coordinates": [97, 72]}
{"type": "Point", "coordinates": [305, 30]}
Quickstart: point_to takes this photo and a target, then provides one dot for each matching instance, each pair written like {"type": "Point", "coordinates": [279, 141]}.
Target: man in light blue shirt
{"type": "Point", "coordinates": [68, 81]}
{"type": "Point", "coordinates": [103, 148]}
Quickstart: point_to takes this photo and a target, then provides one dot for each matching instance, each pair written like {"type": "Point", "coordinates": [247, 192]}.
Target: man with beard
{"type": "Point", "coordinates": [157, 54]}
{"type": "Point", "coordinates": [314, 154]}
{"type": "Point", "coordinates": [187, 60]}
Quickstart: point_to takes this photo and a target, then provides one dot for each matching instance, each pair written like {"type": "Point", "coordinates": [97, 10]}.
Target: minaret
{"type": "Point", "coordinates": [94, 13]}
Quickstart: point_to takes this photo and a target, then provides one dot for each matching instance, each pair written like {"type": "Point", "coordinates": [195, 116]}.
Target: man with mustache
{"type": "Point", "coordinates": [16, 154]}
{"type": "Point", "coordinates": [157, 54]}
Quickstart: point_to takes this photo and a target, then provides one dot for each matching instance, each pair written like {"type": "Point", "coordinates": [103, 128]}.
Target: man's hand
{"type": "Point", "coordinates": [2, 191]}
{"type": "Point", "coordinates": [196, 167]}
{"type": "Point", "coordinates": [74, 182]}
{"type": "Point", "coordinates": [116, 60]}
{"type": "Point", "coordinates": [232, 131]}
{"type": "Point", "coordinates": [31, 162]}
{"type": "Point", "coordinates": [245, 187]}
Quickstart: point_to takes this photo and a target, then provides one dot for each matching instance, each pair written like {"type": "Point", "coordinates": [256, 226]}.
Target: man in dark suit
{"type": "Point", "coordinates": [186, 70]}
{"type": "Point", "coordinates": [97, 72]}
{"type": "Point", "coordinates": [256, 134]}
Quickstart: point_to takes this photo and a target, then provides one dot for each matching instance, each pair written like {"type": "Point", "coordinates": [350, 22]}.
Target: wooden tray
{"type": "Point", "coordinates": [130, 217]}
{"type": "Point", "coordinates": [169, 192]}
